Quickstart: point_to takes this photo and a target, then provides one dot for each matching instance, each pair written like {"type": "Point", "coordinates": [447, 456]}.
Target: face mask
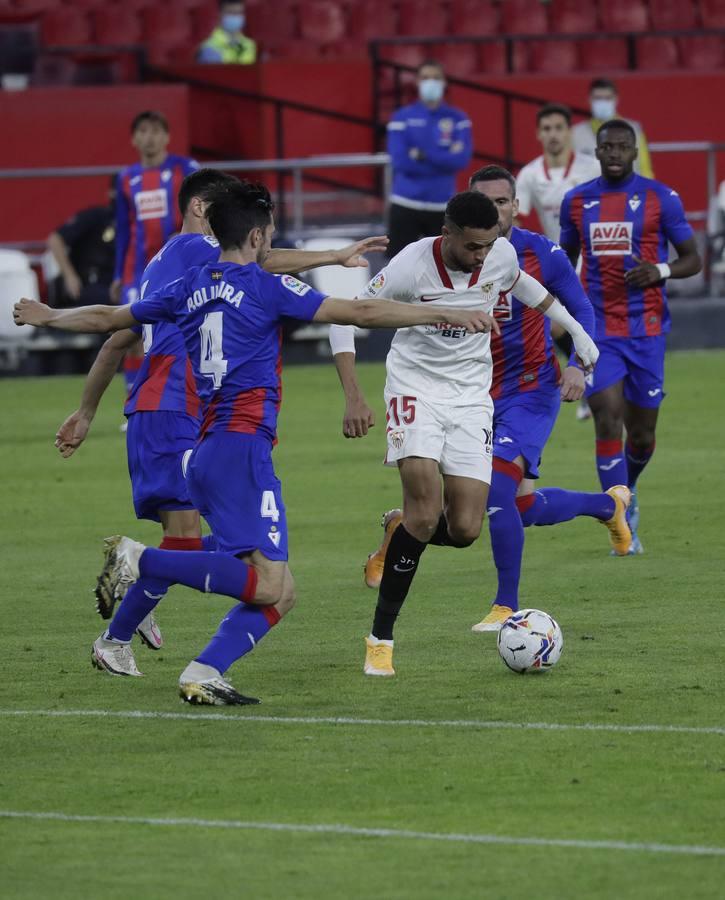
{"type": "Point", "coordinates": [430, 90]}
{"type": "Point", "coordinates": [233, 22]}
{"type": "Point", "coordinates": [604, 109]}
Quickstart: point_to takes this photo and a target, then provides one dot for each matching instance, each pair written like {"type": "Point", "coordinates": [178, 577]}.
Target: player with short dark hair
{"type": "Point", "coordinates": [229, 313]}
{"type": "Point", "coordinates": [439, 409]}
{"type": "Point", "coordinates": [622, 224]}
{"type": "Point", "coordinates": [527, 390]}
{"type": "Point", "coordinates": [554, 109]}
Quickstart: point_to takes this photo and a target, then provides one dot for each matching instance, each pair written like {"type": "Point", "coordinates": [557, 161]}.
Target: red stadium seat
{"type": "Point", "coordinates": [705, 52]}
{"type": "Point", "coordinates": [34, 7]}
{"type": "Point", "coordinates": [270, 22]}
{"type": "Point", "coordinates": [552, 57]}
{"type": "Point", "coordinates": [672, 15]}
{"type": "Point", "coordinates": [171, 55]}
{"type": "Point", "coordinates": [458, 60]}
{"type": "Point", "coordinates": [368, 21]}
{"type": "Point", "coordinates": [492, 58]}
{"type": "Point", "coordinates": [523, 17]}
{"type": "Point", "coordinates": [294, 49]}
{"type": "Point", "coordinates": [203, 21]}
{"type": "Point", "coordinates": [167, 26]}
{"type": "Point", "coordinates": [713, 13]}
{"type": "Point", "coordinates": [603, 55]}
{"type": "Point", "coordinates": [345, 50]}
{"type": "Point", "coordinates": [116, 25]}
{"type": "Point", "coordinates": [657, 53]}
{"type": "Point", "coordinates": [624, 15]}
{"type": "Point", "coordinates": [66, 27]}
{"type": "Point", "coordinates": [474, 18]}
{"type": "Point", "coordinates": [422, 19]}
{"type": "Point", "coordinates": [322, 21]}
{"type": "Point", "coordinates": [572, 17]}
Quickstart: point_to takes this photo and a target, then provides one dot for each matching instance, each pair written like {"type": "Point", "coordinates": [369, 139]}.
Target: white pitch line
{"type": "Point", "coordinates": [352, 831]}
{"type": "Point", "coordinates": [242, 718]}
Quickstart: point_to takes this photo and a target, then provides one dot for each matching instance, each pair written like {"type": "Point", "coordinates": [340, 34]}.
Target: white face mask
{"type": "Point", "coordinates": [604, 109]}
{"type": "Point", "coordinates": [430, 90]}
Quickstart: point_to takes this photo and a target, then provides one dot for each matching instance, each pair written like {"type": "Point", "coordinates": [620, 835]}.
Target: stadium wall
{"type": "Point", "coordinates": [89, 126]}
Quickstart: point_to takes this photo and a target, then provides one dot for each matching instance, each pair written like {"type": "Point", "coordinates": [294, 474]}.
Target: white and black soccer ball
{"type": "Point", "coordinates": [530, 641]}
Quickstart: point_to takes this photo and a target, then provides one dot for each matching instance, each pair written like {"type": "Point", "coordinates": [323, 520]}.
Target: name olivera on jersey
{"type": "Point", "coordinates": [443, 362]}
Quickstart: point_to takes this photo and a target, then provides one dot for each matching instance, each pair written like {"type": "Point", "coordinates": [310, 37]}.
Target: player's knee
{"type": "Point", "coordinates": [463, 534]}
{"type": "Point", "coordinates": [422, 524]}
{"type": "Point", "coordinates": [608, 426]}
{"type": "Point", "coordinates": [641, 437]}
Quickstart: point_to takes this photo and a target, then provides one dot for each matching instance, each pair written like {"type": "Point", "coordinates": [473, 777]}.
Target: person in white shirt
{"type": "Point", "coordinates": [542, 183]}
{"type": "Point", "coordinates": [439, 411]}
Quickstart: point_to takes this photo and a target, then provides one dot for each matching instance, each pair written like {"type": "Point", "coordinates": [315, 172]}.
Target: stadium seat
{"type": "Point", "coordinates": [552, 57]}
{"type": "Point", "coordinates": [270, 22]}
{"type": "Point", "coordinates": [116, 25]}
{"type": "Point", "coordinates": [458, 60]}
{"type": "Point", "coordinates": [712, 13]}
{"type": "Point", "coordinates": [423, 19]}
{"type": "Point", "coordinates": [572, 17]}
{"type": "Point", "coordinates": [171, 55]}
{"type": "Point", "coordinates": [523, 17]}
{"type": "Point", "coordinates": [367, 21]}
{"type": "Point", "coordinates": [623, 15]}
{"type": "Point", "coordinates": [475, 18]}
{"type": "Point", "coordinates": [293, 49]}
{"type": "Point", "coordinates": [603, 55]}
{"type": "Point", "coordinates": [657, 53]}
{"type": "Point", "coordinates": [702, 52]}
{"type": "Point", "coordinates": [29, 8]}
{"type": "Point", "coordinates": [322, 21]}
{"type": "Point", "coordinates": [672, 15]}
{"type": "Point", "coordinates": [65, 27]}
{"type": "Point", "coordinates": [203, 21]}
{"type": "Point", "coordinates": [492, 58]}
{"type": "Point", "coordinates": [166, 25]}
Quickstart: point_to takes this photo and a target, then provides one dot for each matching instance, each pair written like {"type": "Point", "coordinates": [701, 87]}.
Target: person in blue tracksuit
{"type": "Point", "coordinates": [429, 143]}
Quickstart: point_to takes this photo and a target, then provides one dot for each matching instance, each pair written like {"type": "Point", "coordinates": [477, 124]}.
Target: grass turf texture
{"type": "Point", "coordinates": [643, 644]}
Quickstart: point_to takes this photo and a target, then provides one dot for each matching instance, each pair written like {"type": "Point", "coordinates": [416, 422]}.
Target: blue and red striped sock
{"type": "Point", "coordinates": [549, 506]}
{"type": "Point", "coordinates": [240, 631]}
{"type": "Point", "coordinates": [212, 573]}
{"type": "Point", "coordinates": [145, 595]}
{"type": "Point", "coordinates": [611, 466]}
{"type": "Point", "coordinates": [637, 459]}
{"type": "Point", "coordinates": [506, 530]}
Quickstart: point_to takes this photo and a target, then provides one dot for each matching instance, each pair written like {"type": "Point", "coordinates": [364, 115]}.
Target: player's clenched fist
{"type": "Point", "coordinates": [30, 312]}
{"type": "Point", "coordinates": [472, 320]}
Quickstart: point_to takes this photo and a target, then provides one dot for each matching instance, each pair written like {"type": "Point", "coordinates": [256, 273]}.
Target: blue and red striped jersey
{"type": "Point", "coordinates": [165, 379]}
{"type": "Point", "coordinates": [147, 213]}
{"type": "Point", "coordinates": [614, 223]}
{"type": "Point", "coordinates": [230, 318]}
{"type": "Point", "coordinates": [523, 354]}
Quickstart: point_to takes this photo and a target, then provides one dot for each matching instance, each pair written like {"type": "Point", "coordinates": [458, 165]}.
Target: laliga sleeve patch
{"type": "Point", "coordinates": [376, 284]}
{"type": "Point", "coordinates": [297, 287]}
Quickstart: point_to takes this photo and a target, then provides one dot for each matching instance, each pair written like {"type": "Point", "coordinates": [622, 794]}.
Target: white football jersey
{"type": "Point", "coordinates": [443, 362]}
{"type": "Point", "coordinates": [541, 188]}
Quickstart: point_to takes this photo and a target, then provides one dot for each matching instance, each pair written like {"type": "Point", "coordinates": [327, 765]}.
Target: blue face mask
{"type": "Point", "coordinates": [233, 22]}
{"type": "Point", "coordinates": [430, 90]}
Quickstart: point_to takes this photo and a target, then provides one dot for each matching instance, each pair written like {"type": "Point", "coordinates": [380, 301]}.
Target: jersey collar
{"type": "Point", "coordinates": [443, 272]}
{"type": "Point", "coordinates": [566, 171]}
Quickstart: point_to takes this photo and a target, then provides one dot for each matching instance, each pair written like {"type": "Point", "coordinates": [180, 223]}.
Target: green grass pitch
{"type": "Point", "coordinates": [644, 642]}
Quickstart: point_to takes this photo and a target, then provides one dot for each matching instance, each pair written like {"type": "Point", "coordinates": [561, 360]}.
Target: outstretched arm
{"type": "Point", "coordinates": [290, 262]}
{"type": "Point", "coordinates": [74, 429]}
{"type": "Point", "coordinates": [91, 319]}
{"type": "Point", "coordinates": [383, 313]}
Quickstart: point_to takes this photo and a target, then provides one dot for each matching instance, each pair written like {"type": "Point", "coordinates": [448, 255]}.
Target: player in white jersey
{"type": "Point", "coordinates": [439, 412]}
{"type": "Point", "coordinates": [542, 183]}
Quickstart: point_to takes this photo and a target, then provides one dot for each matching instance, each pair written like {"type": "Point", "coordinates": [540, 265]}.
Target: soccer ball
{"type": "Point", "coordinates": [530, 641]}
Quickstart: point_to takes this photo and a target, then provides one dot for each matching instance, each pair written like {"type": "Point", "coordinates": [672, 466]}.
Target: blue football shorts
{"type": "Point", "coordinates": [232, 482]}
{"type": "Point", "coordinates": [522, 424]}
{"type": "Point", "coordinates": [156, 443]}
{"type": "Point", "coordinates": [638, 362]}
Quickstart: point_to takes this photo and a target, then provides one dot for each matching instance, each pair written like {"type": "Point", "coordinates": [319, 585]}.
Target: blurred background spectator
{"type": "Point", "coordinates": [603, 100]}
{"type": "Point", "coordinates": [227, 44]}
{"type": "Point", "coordinates": [84, 250]}
{"type": "Point", "coordinates": [429, 143]}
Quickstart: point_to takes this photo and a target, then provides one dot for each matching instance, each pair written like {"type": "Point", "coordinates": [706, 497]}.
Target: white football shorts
{"type": "Point", "coordinates": [458, 438]}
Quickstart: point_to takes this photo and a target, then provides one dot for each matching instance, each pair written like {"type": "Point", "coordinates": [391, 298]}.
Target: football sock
{"type": "Point", "coordinates": [611, 466]}
{"type": "Point", "coordinates": [240, 631]}
{"type": "Point", "coordinates": [506, 530]}
{"type": "Point", "coordinates": [144, 595]}
{"type": "Point", "coordinates": [549, 506]}
{"type": "Point", "coordinates": [212, 573]}
{"type": "Point", "coordinates": [401, 562]}
{"type": "Point", "coordinates": [441, 537]}
{"type": "Point", "coordinates": [637, 459]}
